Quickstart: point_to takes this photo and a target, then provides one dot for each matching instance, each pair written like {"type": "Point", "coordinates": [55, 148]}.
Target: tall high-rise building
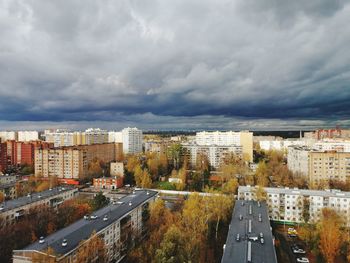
{"type": "Point", "coordinates": [26, 136]}
{"type": "Point", "coordinates": [3, 156]}
{"type": "Point", "coordinates": [8, 135]}
{"type": "Point", "coordinates": [132, 140]}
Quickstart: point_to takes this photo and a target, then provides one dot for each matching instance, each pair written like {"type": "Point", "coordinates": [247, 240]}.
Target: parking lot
{"type": "Point", "coordinates": [290, 247]}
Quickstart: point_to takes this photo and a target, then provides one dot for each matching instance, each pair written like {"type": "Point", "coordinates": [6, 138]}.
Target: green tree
{"type": "Point", "coordinates": [99, 201]}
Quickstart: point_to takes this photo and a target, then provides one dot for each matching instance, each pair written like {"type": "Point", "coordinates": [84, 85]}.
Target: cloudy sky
{"type": "Point", "coordinates": [174, 64]}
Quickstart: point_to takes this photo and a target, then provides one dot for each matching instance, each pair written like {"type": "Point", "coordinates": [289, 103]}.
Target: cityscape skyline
{"type": "Point", "coordinates": [189, 66]}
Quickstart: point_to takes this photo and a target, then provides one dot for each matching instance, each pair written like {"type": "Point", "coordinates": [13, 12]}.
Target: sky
{"type": "Point", "coordinates": [174, 65]}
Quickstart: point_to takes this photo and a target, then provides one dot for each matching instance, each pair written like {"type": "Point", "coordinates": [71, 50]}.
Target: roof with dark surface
{"type": "Point", "coordinates": [237, 251]}
{"type": "Point", "coordinates": [82, 229]}
{"type": "Point", "coordinates": [21, 201]}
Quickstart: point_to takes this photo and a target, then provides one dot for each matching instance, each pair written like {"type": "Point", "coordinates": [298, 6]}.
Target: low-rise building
{"type": "Point", "coordinates": [117, 225]}
{"type": "Point", "coordinates": [110, 183]}
{"type": "Point", "coordinates": [300, 205]}
{"type": "Point", "coordinates": [249, 238]}
{"type": "Point", "coordinates": [13, 210]}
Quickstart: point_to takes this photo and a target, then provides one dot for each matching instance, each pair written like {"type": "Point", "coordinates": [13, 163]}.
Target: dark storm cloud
{"type": "Point", "coordinates": [85, 60]}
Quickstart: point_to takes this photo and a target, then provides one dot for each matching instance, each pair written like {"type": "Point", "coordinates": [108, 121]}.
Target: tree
{"type": "Point", "coordinates": [331, 236]}
{"type": "Point", "coordinates": [95, 168]}
{"type": "Point", "coordinates": [138, 173]}
{"type": "Point", "coordinates": [261, 174]}
{"type": "Point", "coordinates": [230, 187]}
{"type": "Point", "coordinates": [174, 152]}
{"type": "Point", "coordinates": [132, 162]}
{"type": "Point", "coordinates": [99, 201]}
{"type": "Point", "coordinates": [146, 181]}
{"type": "Point", "coordinates": [260, 193]}
{"type": "Point", "coordinates": [172, 248]}
{"type": "Point", "coordinates": [2, 197]}
{"type": "Point", "coordinates": [220, 207]}
{"type": "Point", "coordinates": [92, 250]}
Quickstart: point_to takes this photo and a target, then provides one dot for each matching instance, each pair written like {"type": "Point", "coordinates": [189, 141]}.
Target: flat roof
{"type": "Point", "coordinates": [237, 251]}
{"type": "Point", "coordinates": [82, 229]}
{"type": "Point", "coordinates": [296, 191]}
{"type": "Point", "coordinates": [34, 197]}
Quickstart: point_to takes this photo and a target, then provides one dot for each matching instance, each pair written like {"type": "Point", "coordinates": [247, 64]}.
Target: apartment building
{"type": "Point", "coordinates": [13, 210]}
{"type": "Point", "coordinates": [117, 225]}
{"type": "Point", "coordinates": [132, 140]}
{"type": "Point", "coordinates": [216, 154]}
{"type": "Point", "coordinates": [117, 169]}
{"type": "Point", "coordinates": [281, 145]}
{"type": "Point", "coordinates": [8, 135]}
{"type": "Point", "coordinates": [8, 186]}
{"type": "Point", "coordinates": [115, 136]}
{"type": "Point", "coordinates": [249, 237]}
{"type": "Point", "coordinates": [298, 160]}
{"type": "Point", "coordinates": [326, 165]}
{"type": "Point", "coordinates": [67, 138]}
{"type": "Point", "coordinates": [3, 156]}
{"type": "Point", "coordinates": [20, 153]}
{"type": "Point", "coordinates": [73, 162]}
{"type": "Point", "coordinates": [328, 134]}
{"type": "Point", "coordinates": [110, 183]}
{"type": "Point", "coordinates": [332, 145]}
{"type": "Point", "coordinates": [229, 138]}
{"type": "Point", "coordinates": [26, 136]}
{"type": "Point", "coordinates": [300, 205]}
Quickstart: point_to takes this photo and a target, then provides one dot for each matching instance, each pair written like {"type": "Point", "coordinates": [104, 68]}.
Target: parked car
{"type": "Point", "coordinates": [303, 260]}
{"type": "Point", "coordinates": [262, 241]}
{"type": "Point", "coordinates": [86, 217]}
{"type": "Point", "coordinates": [298, 251]}
{"type": "Point", "coordinates": [64, 242]}
{"type": "Point", "coordinates": [105, 218]}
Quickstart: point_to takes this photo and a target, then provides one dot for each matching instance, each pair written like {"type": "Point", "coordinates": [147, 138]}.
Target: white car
{"type": "Point", "coordinates": [93, 217]}
{"type": "Point", "coordinates": [41, 240]}
{"type": "Point", "coordinates": [298, 251]}
{"type": "Point", "coordinates": [86, 217]}
{"type": "Point", "coordinates": [303, 260]}
{"type": "Point", "coordinates": [64, 242]}
{"type": "Point", "coordinates": [105, 218]}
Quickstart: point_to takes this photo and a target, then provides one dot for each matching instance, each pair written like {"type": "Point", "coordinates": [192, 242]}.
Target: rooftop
{"type": "Point", "coordinates": [34, 197]}
{"type": "Point", "coordinates": [82, 229]}
{"type": "Point", "coordinates": [245, 222]}
{"type": "Point", "coordinates": [296, 191]}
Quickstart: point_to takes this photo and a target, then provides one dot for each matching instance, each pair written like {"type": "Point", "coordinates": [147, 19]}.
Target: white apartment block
{"type": "Point", "coordinates": [117, 225]}
{"type": "Point", "coordinates": [298, 160]}
{"type": "Point", "coordinates": [333, 145]}
{"type": "Point", "coordinates": [95, 136]}
{"type": "Point", "coordinates": [229, 138]}
{"type": "Point", "coordinates": [132, 140]}
{"type": "Point", "coordinates": [26, 136]}
{"type": "Point", "coordinates": [281, 145]}
{"type": "Point", "coordinates": [8, 135]}
{"type": "Point", "coordinates": [115, 136]}
{"type": "Point", "coordinates": [296, 205]}
{"type": "Point", "coordinates": [216, 154]}
{"type": "Point", "coordinates": [13, 210]}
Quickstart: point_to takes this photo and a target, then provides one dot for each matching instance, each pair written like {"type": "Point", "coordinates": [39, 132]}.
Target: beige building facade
{"type": "Point", "coordinates": [73, 162]}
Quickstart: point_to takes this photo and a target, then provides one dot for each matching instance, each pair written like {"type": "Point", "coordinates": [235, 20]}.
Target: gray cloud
{"type": "Point", "coordinates": [232, 60]}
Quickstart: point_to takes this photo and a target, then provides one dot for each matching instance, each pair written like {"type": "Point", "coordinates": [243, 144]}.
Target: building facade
{"type": "Point", "coordinates": [300, 205]}
{"type": "Point", "coordinates": [216, 154]}
{"type": "Point", "coordinates": [117, 169]}
{"type": "Point", "coordinates": [66, 138]}
{"type": "Point", "coordinates": [117, 225]}
{"type": "Point", "coordinates": [298, 160]}
{"type": "Point", "coordinates": [110, 183]}
{"type": "Point", "coordinates": [230, 138]}
{"type": "Point", "coordinates": [328, 165]}
{"type": "Point", "coordinates": [13, 210]}
{"type": "Point", "coordinates": [132, 140]}
{"type": "Point", "coordinates": [73, 162]}
{"type": "Point", "coordinates": [3, 156]}
{"type": "Point", "coordinates": [26, 136]}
